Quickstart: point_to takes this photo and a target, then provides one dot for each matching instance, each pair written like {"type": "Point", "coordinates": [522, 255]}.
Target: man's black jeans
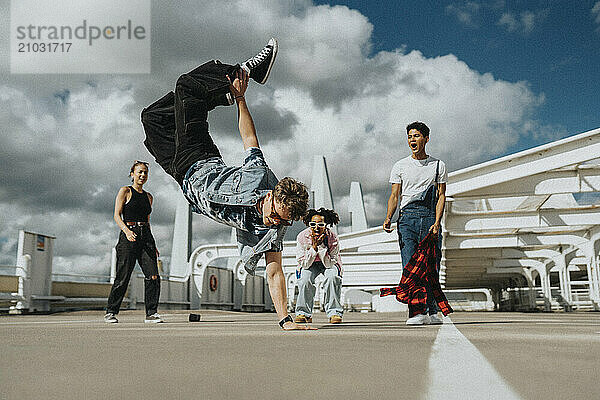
{"type": "Point", "coordinates": [143, 250]}
{"type": "Point", "coordinates": [176, 125]}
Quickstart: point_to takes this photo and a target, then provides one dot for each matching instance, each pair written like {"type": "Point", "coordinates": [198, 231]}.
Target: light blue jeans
{"type": "Point", "coordinates": [413, 226]}
{"type": "Point", "coordinates": [306, 290]}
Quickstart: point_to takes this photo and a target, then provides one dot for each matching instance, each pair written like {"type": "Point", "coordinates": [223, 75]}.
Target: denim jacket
{"type": "Point", "coordinates": [209, 184]}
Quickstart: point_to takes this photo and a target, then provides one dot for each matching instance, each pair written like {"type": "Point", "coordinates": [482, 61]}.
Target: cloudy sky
{"type": "Point", "coordinates": [489, 78]}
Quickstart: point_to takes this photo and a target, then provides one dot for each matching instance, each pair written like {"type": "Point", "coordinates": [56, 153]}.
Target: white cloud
{"type": "Point", "coordinates": [471, 13]}
{"type": "Point", "coordinates": [528, 21]}
{"type": "Point", "coordinates": [525, 22]}
{"type": "Point", "coordinates": [467, 13]}
{"type": "Point", "coordinates": [468, 113]}
{"type": "Point", "coordinates": [509, 21]}
{"type": "Point", "coordinates": [596, 12]}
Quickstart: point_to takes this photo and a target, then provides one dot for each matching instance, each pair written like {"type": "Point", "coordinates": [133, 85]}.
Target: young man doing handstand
{"type": "Point", "coordinates": [248, 198]}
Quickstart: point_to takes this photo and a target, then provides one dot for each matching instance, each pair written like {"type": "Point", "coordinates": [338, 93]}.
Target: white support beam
{"type": "Point", "coordinates": [593, 275]}
{"type": "Point", "coordinates": [522, 241]}
{"type": "Point", "coordinates": [542, 253]}
{"type": "Point", "coordinates": [592, 251]}
{"type": "Point", "coordinates": [469, 262]}
{"type": "Point", "coordinates": [524, 219]}
{"type": "Point", "coordinates": [572, 150]}
{"type": "Point", "coordinates": [356, 207]}
{"type": "Point", "coordinates": [497, 281]}
{"type": "Point", "coordinates": [511, 263]}
{"type": "Point", "coordinates": [320, 185]}
{"type": "Point", "coordinates": [511, 270]}
{"type": "Point", "coordinates": [581, 260]}
{"type": "Point", "coordinates": [474, 253]}
{"type": "Point", "coordinates": [528, 273]}
{"type": "Point", "coordinates": [497, 253]}
{"type": "Point", "coordinates": [182, 238]}
{"type": "Point", "coordinates": [571, 268]}
{"type": "Point", "coordinates": [579, 179]}
{"type": "Point", "coordinates": [546, 289]}
{"type": "Point", "coordinates": [565, 280]}
{"type": "Point", "coordinates": [372, 236]}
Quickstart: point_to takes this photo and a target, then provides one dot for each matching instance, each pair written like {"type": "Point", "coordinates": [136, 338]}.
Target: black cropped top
{"type": "Point", "coordinates": [138, 207]}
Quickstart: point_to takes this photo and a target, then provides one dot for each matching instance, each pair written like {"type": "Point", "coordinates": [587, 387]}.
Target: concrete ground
{"type": "Point", "coordinates": [238, 355]}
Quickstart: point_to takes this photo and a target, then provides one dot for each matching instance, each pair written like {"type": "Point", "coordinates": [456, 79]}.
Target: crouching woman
{"type": "Point", "coordinates": [317, 252]}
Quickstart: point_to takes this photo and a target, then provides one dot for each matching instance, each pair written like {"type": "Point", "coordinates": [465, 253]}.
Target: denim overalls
{"type": "Point", "coordinates": [414, 221]}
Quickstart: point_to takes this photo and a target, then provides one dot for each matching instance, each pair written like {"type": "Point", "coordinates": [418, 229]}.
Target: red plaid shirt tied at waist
{"type": "Point", "coordinates": [420, 269]}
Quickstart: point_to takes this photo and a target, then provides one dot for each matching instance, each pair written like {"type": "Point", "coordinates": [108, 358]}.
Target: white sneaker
{"type": "Point", "coordinates": [153, 319]}
{"type": "Point", "coordinates": [421, 319]}
{"type": "Point", "coordinates": [110, 318]}
{"type": "Point", "coordinates": [435, 320]}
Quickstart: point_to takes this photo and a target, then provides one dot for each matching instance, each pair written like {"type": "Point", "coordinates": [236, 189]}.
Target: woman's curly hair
{"type": "Point", "coordinates": [330, 216]}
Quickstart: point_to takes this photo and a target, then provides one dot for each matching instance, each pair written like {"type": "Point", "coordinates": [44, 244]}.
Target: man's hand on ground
{"type": "Point", "coordinates": [292, 326]}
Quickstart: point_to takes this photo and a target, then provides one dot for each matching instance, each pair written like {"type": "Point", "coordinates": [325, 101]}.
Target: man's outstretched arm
{"type": "Point", "coordinates": [246, 124]}
{"type": "Point", "coordinates": [276, 281]}
{"type": "Point", "coordinates": [391, 206]}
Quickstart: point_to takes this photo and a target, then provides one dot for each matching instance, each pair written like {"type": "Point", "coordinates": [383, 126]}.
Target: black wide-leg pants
{"type": "Point", "coordinates": [142, 250]}
{"type": "Point", "coordinates": [176, 125]}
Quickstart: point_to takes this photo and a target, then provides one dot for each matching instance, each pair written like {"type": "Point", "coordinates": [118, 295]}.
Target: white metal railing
{"type": "Point", "coordinates": [12, 270]}
{"type": "Point", "coordinates": [581, 297]}
{"type": "Point", "coordinates": [100, 278]}
{"type": "Point", "coordinates": [80, 278]}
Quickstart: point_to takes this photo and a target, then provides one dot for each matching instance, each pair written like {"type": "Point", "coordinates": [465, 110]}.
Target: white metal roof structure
{"type": "Point", "coordinates": [526, 214]}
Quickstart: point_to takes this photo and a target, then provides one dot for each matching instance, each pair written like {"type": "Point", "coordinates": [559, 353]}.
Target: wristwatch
{"type": "Point", "coordinates": [288, 318]}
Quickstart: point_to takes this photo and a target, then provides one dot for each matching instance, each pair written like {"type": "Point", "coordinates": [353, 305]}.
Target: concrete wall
{"type": "Point", "coordinates": [217, 290]}
{"type": "Point", "coordinates": [81, 289]}
{"type": "Point", "coordinates": [9, 284]}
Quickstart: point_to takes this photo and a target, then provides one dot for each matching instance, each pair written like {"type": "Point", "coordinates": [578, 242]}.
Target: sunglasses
{"type": "Point", "coordinates": [315, 224]}
{"type": "Point", "coordinates": [146, 163]}
{"type": "Point", "coordinates": [276, 217]}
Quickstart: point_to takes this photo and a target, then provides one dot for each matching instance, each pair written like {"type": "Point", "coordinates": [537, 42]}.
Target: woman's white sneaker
{"type": "Point", "coordinates": [153, 319]}
{"type": "Point", "coordinates": [421, 319]}
{"type": "Point", "coordinates": [110, 318]}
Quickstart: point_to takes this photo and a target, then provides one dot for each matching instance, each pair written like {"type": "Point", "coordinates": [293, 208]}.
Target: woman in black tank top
{"type": "Point", "coordinates": [133, 206]}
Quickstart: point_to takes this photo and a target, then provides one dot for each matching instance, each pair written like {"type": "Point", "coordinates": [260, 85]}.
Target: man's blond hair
{"type": "Point", "coordinates": [292, 195]}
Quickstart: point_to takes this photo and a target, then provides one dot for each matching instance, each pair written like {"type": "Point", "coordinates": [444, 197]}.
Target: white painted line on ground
{"type": "Point", "coordinates": [566, 323]}
{"type": "Point", "coordinates": [458, 371]}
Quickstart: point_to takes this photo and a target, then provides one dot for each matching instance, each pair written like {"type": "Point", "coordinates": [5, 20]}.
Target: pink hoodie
{"type": "Point", "coordinates": [329, 255]}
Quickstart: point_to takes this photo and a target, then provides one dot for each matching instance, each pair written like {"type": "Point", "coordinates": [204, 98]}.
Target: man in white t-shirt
{"type": "Point", "coordinates": [419, 180]}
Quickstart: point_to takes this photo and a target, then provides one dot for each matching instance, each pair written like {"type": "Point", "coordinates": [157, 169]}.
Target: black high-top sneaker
{"type": "Point", "coordinates": [260, 65]}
